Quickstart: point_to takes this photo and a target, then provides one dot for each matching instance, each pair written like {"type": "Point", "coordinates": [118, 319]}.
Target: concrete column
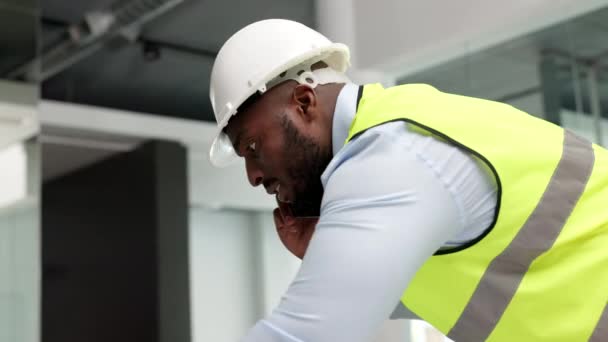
{"type": "Point", "coordinates": [336, 19]}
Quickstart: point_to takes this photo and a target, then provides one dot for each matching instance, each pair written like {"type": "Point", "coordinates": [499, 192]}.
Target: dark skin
{"type": "Point", "coordinates": [285, 139]}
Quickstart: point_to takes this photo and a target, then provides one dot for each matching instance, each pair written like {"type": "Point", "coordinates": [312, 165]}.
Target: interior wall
{"type": "Point", "coordinates": [19, 206]}
{"type": "Point", "coordinates": [115, 250]}
{"type": "Point", "coordinates": [99, 254]}
{"type": "Point", "coordinates": [222, 269]}
{"type": "Point", "coordinates": [239, 271]}
{"type": "Point", "coordinates": [279, 266]}
{"type": "Point", "coordinates": [223, 188]}
{"type": "Point", "coordinates": [532, 104]}
{"type": "Point", "coordinates": [19, 273]}
{"type": "Point", "coordinates": [18, 112]}
{"type": "Point", "coordinates": [406, 36]}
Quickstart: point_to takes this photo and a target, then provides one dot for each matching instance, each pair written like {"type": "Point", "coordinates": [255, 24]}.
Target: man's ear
{"type": "Point", "coordinates": [305, 98]}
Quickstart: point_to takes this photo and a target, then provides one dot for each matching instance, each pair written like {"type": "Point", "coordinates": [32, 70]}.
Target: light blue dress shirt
{"type": "Point", "coordinates": [392, 198]}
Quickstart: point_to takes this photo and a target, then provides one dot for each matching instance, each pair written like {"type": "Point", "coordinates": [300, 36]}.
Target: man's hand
{"type": "Point", "coordinates": [295, 233]}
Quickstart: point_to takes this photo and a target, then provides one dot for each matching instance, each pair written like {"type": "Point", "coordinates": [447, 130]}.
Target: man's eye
{"type": "Point", "coordinates": [251, 147]}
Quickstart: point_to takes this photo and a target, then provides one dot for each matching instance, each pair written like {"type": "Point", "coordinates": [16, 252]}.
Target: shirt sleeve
{"type": "Point", "coordinates": [385, 211]}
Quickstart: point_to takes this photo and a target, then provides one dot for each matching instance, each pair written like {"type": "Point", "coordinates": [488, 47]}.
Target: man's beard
{"type": "Point", "coordinates": [306, 162]}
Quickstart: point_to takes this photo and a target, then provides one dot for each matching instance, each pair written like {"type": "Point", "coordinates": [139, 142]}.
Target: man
{"type": "Point", "coordinates": [486, 222]}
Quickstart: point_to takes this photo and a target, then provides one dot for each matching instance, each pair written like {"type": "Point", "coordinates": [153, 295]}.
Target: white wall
{"type": "Point", "coordinates": [17, 122]}
{"type": "Point", "coordinates": [18, 112]}
{"type": "Point", "coordinates": [239, 270]}
{"type": "Point", "coordinates": [277, 266]}
{"type": "Point", "coordinates": [406, 36]}
{"type": "Point", "coordinates": [20, 268]}
{"type": "Point", "coordinates": [19, 215]}
{"type": "Point", "coordinates": [531, 104]}
{"type": "Point", "coordinates": [393, 38]}
{"type": "Point", "coordinates": [20, 272]}
{"type": "Point", "coordinates": [223, 271]}
{"type": "Point", "coordinates": [226, 188]}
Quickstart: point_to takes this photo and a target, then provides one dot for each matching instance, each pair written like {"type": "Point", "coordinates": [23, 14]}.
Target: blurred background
{"type": "Point", "coordinates": [113, 224]}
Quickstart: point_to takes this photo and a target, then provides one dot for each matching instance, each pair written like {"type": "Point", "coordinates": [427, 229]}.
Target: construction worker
{"type": "Point", "coordinates": [406, 202]}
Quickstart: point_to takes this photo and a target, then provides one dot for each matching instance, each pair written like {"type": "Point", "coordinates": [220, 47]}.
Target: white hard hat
{"type": "Point", "coordinates": [260, 56]}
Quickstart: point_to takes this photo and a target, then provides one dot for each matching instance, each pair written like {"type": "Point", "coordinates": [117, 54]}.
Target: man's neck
{"type": "Point", "coordinates": [328, 94]}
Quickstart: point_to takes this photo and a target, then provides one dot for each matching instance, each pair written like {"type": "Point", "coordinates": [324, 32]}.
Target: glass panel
{"type": "Point", "coordinates": [559, 73]}
{"type": "Point", "coordinates": [19, 175]}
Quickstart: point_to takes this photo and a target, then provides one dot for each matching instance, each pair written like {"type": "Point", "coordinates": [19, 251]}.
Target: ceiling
{"type": "Point", "coordinates": [187, 38]}
{"type": "Point", "coordinates": [65, 150]}
{"type": "Point", "coordinates": [174, 83]}
{"type": "Point", "coordinates": [511, 69]}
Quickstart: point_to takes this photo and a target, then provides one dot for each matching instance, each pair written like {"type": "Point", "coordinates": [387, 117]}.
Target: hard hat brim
{"type": "Point", "coordinates": [221, 153]}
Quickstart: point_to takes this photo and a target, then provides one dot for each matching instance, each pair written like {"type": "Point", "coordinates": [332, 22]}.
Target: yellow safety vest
{"type": "Point", "coordinates": [540, 272]}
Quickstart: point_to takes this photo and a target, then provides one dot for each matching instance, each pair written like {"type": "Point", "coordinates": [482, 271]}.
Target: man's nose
{"type": "Point", "coordinates": [254, 173]}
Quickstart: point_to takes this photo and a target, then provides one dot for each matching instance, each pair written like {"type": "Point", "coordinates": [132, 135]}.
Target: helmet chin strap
{"type": "Point", "coordinates": [303, 74]}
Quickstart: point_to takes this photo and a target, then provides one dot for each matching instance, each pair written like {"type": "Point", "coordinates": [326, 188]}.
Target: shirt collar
{"type": "Point", "coordinates": [346, 108]}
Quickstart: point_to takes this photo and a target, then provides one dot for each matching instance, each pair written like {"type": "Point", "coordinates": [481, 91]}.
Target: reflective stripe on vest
{"type": "Point", "coordinates": [600, 334]}
{"type": "Point", "coordinates": [536, 237]}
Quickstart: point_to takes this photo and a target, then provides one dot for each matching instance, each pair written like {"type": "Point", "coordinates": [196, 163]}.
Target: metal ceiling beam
{"type": "Point", "coordinates": [192, 50]}
{"type": "Point", "coordinates": [95, 30]}
{"type": "Point", "coordinates": [179, 48]}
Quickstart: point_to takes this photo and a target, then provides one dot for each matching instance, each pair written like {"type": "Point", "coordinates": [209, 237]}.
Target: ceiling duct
{"type": "Point", "coordinates": [91, 34]}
